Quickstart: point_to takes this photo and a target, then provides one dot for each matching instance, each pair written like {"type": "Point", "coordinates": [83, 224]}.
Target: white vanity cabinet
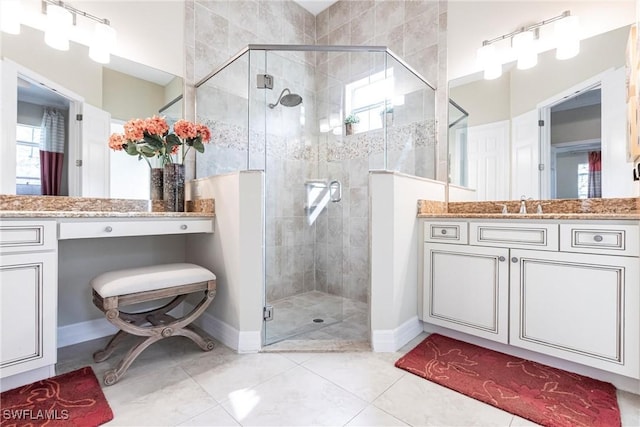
{"type": "Point", "coordinates": [566, 289]}
{"type": "Point", "coordinates": [28, 295]}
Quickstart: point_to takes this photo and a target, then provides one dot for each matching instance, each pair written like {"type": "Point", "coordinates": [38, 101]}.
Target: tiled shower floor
{"type": "Point", "coordinates": [345, 323]}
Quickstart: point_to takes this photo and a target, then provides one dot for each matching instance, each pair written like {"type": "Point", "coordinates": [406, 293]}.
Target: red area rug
{"type": "Point", "coordinates": [545, 395]}
{"type": "Point", "coordinates": [71, 399]}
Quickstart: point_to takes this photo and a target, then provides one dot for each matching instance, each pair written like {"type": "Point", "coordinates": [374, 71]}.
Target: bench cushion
{"type": "Point", "coordinates": [132, 280]}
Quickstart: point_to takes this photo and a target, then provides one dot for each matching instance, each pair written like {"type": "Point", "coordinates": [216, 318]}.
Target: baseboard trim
{"type": "Point", "coordinates": [18, 380]}
{"type": "Point", "coordinates": [390, 340]}
{"type": "Point", "coordinates": [241, 341]}
{"type": "Point", "coordinates": [84, 331]}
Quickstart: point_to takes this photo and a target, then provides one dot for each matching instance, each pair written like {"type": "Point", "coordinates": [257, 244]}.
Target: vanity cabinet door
{"type": "Point", "coordinates": [578, 307]}
{"type": "Point", "coordinates": [28, 304]}
{"type": "Point", "coordinates": [467, 289]}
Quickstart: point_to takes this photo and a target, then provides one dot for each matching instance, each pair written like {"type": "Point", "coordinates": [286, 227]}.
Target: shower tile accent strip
{"type": "Point", "coordinates": [88, 205]}
{"type": "Point", "coordinates": [552, 209]}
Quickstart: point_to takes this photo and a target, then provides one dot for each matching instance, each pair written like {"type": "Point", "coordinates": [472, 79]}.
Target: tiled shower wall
{"type": "Point", "coordinates": [332, 255]}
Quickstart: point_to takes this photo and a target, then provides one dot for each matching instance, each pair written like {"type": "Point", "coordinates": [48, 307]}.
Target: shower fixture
{"type": "Point", "coordinates": [288, 100]}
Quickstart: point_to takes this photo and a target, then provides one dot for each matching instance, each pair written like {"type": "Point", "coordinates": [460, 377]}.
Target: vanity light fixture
{"type": "Point", "coordinates": [10, 11]}
{"type": "Point", "coordinates": [60, 19]}
{"type": "Point", "coordinates": [524, 45]}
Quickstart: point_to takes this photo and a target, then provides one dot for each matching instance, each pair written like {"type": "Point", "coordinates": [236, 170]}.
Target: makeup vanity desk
{"type": "Point", "coordinates": [30, 267]}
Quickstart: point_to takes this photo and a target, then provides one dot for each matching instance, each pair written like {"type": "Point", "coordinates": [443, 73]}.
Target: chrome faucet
{"type": "Point", "coordinates": [523, 204]}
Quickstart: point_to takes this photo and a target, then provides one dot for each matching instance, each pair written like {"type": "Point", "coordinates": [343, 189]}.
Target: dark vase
{"type": "Point", "coordinates": [155, 183]}
{"type": "Point", "coordinates": [174, 187]}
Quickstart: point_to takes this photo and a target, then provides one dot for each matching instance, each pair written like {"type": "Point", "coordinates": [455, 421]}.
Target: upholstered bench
{"type": "Point", "coordinates": [115, 289]}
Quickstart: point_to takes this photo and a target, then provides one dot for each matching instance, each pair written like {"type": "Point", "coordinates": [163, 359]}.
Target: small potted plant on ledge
{"type": "Point", "coordinates": [350, 123]}
{"type": "Point", "coordinates": [387, 116]}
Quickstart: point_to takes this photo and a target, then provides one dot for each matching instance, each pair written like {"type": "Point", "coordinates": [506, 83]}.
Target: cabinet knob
{"type": "Point", "coordinates": [108, 229]}
{"type": "Point", "coordinates": [443, 231]}
{"type": "Point", "coordinates": [502, 259]}
{"type": "Point", "coordinates": [514, 260]}
{"type": "Point", "coordinates": [597, 238]}
{"type": "Point", "coordinates": [183, 227]}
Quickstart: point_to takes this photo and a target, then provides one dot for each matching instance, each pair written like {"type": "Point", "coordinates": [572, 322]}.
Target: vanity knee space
{"type": "Point", "coordinates": [565, 289]}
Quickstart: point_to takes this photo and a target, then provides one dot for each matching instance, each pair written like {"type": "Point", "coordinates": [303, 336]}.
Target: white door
{"type": "Point", "coordinates": [96, 125]}
{"type": "Point", "coordinates": [8, 120]}
{"type": "Point", "coordinates": [488, 154]}
{"type": "Point", "coordinates": [525, 156]}
{"type": "Point", "coordinates": [473, 299]}
{"type": "Point", "coordinates": [578, 307]}
{"type": "Point", "coordinates": [616, 175]}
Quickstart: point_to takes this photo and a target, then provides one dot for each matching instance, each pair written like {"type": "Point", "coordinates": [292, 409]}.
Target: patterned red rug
{"type": "Point", "coordinates": [545, 395]}
{"type": "Point", "coordinates": [71, 399]}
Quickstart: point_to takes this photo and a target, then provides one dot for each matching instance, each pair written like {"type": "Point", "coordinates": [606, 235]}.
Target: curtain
{"type": "Point", "coordinates": [52, 139]}
{"type": "Point", "coordinates": [595, 183]}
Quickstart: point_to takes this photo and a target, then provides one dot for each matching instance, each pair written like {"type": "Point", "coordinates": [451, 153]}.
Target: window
{"type": "Point", "coordinates": [366, 98]}
{"type": "Point", "coordinates": [27, 159]}
{"type": "Point", "coordinates": [583, 180]}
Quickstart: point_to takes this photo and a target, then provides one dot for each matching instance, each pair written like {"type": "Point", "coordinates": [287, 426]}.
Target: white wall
{"type": "Point", "coordinates": [394, 256]}
{"type": "Point", "coordinates": [567, 174]}
{"type": "Point", "coordinates": [578, 124]}
{"type": "Point", "coordinates": [461, 194]}
{"type": "Point", "coordinates": [235, 254]}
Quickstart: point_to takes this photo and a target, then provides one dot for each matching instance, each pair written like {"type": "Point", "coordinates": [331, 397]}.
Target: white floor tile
{"type": "Point", "coordinates": [417, 401]}
{"type": "Point", "coordinates": [374, 417]}
{"type": "Point", "coordinates": [366, 375]}
{"type": "Point", "coordinates": [294, 398]}
{"type": "Point", "coordinates": [157, 400]}
{"type": "Point", "coordinates": [223, 377]}
{"type": "Point", "coordinates": [215, 417]}
{"type": "Point", "coordinates": [629, 405]}
{"type": "Point", "coordinates": [521, 422]}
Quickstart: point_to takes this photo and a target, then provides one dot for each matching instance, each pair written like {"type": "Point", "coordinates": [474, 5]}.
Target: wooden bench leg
{"type": "Point", "coordinates": [113, 375]}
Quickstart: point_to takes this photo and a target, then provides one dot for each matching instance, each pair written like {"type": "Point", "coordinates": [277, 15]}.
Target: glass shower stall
{"type": "Point", "coordinates": [282, 110]}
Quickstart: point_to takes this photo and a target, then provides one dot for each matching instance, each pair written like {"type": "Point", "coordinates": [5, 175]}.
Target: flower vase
{"type": "Point", "coordinates": [155, 184]}
{"type": "Point", "coordinates": [174, 187]}
{"type": "Point", "coordinates": [349, 128]}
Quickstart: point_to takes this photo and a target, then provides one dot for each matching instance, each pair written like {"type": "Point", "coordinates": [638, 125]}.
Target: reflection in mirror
{"type": "Point", "coordinates": [557, 130]}
{"type": "Point", "coordinates": [53, 87]}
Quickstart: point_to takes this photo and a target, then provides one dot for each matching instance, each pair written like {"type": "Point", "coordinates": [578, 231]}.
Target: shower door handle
{"type": "Point", "coordinates": [335, 191]}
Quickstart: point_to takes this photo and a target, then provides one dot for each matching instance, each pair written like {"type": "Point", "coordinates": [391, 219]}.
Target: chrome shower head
{"type": "Point", "coordinates": [288, 100]}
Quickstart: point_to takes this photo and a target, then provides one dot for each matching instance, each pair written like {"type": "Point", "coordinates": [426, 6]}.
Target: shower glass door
{"type": "Point", "coordinates": [304, 201]}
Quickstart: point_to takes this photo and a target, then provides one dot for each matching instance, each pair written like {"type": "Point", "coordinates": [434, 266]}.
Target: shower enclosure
{"type": "Point", "coordinates": [282, 109]}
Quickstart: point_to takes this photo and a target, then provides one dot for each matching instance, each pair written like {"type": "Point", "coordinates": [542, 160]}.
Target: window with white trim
{"type": "Point", "coordinates": [27, 156]}
{"type": "Point", "coordinates": [366, 98]}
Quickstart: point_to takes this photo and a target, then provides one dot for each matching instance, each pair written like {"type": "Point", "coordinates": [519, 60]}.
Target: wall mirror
{"type": "Point", "coordinates": [557, 130]}
{"type": "Point", "coordinates": [42, 84]}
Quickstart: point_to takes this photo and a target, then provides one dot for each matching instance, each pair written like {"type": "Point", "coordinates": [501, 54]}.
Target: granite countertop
{"type": "Point", "coordinates": [97, 214]}
{"type": "Point", "coordinates": [18, 206]}
{"type": "Point", "coordinates": [630, 216]}
{"type": "Point", "coordinates": [558, 209]}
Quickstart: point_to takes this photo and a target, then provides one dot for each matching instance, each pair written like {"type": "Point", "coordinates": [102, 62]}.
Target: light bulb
{"type": "Point", "coordinates": [489, 61]}
{"type": "Point", "coordinates": [524, 46]}
{"type": "Point", "coordinates": [59, 21]}
{"type": "Point", "coordinates": [104, 38]}
{"type": "Point", "coordinates": [566, 34]}
{"type": "Point", "coordinates": [10, 11]}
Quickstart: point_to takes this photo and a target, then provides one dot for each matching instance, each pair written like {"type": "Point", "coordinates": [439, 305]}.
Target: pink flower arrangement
{"type": "Point", "coordinates": [150, 137]}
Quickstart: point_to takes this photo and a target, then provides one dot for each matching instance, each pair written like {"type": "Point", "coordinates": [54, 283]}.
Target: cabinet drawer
{"type": "Point", "coordinates": [93, 229]}
{"type": "Point", "coordinates": [446, 232]}
{"type": "Point", "coordinates": [539, 236]}
{"type": "Point", "coordinates": [21, 236]}
{"type": "Point", "coordinates": [600, 239]}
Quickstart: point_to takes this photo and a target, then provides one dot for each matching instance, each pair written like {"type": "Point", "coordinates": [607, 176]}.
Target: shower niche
{"type": "Point", "coordinates": [281, 109]}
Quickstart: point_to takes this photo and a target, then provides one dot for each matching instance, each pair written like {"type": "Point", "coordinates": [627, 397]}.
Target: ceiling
{"type": "Point", "coordinates": [315, 6]}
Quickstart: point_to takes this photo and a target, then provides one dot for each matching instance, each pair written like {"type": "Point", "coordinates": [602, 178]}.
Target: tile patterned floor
{"type": "Point", "coordinates": [176, 384]}
{"type": "Point", "coordinates": [344, 319]}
